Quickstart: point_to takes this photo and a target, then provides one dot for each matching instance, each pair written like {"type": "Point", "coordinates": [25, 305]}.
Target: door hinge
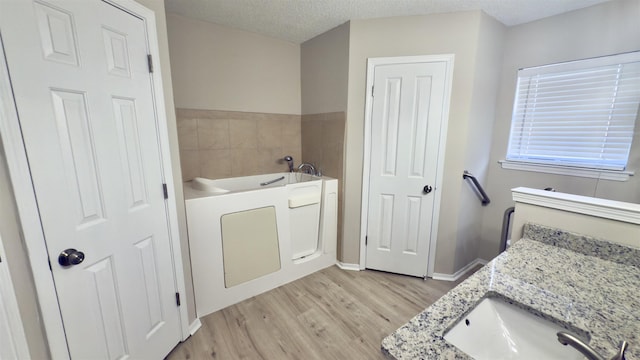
{"type": "Point", "coordinates": [372, 87]}
{"type": "Point", "coordinates": [366, 240]}
{"type": "Point", "coordinates": [150, 63]}
{"type": "Point", "coordinates": [178, 299]}
{"type": "Point", "coordinates": [165, 191]}
{"type": "Point", "coordinates": [49, 262]}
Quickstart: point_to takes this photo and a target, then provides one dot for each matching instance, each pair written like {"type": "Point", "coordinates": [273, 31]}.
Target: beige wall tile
{"type": "Point", "coordinates": [332, 161]}
{"type": "Point", "coordinates": [311, 133]}
{"type": "Point", "coordinates": [190, 164]}
{"type": "Point", "coordinates": [271, 161]}
{"type": "Point", "coordinates": [269, 132]}
{"type": "Point", "coordinates": [244, 162]}
{"type": "Point", "coordinates": [322, 142]}
{"type": "Point", "coordinates": [333, 130]}
{"type": "Point", "coordinates": [313, 117]}
{"type": "Point", "coordinates": [291, 131]}
{"type": "Point", "coordinates": [243, 134]}
{"type": "Point", "coordinates": [339, 115]}
{"type": "Point", "coordinates": [187, 134]}
{"type": "Point", "coordinates": [312, 155]}
{"type": "Point", "coordinates": [213, 134]}
{"type": "Point", "coordinates": [227, 143]}
{"type": "Point", "coordinates": [215, 164]}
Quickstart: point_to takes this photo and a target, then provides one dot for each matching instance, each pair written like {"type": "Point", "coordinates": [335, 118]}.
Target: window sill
{"type": "Point", "coordinates": [570, 171]}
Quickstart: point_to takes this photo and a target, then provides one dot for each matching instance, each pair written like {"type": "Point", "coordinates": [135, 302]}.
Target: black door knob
{"type": "Point", "coordinates": [70, 257]}
{"type": "Point", "coordinates": [427, 189]}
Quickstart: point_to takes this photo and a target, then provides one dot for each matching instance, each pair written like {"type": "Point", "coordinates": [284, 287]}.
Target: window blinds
{"type": "Point", "coordinates": [580, 113]}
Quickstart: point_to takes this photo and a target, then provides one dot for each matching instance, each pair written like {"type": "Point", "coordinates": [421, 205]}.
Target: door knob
{"type": "Point", "coordinates": [70, 257]}
{"type": "Point", "coordinates": [427, 189]}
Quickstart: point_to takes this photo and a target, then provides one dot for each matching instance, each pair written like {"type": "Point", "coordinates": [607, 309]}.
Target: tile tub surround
{"type": "Point", "coordinates": [219, 144]}
{"type": "Point", "coordinates": [584, 293]}
{"type": "Point", "coordinates": [323, 141]}
{"type": "Point", "coordinates": [323, 145]}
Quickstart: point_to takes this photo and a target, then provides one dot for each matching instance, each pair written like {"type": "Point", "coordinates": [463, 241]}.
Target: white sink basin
{"type": "Point", "coordinates": [495, 329]}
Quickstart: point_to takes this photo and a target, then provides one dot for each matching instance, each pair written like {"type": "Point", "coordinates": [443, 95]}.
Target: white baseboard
{"type": "Point", "coordinates": [345, 266]}
{"type": "Point", "coordinates": [195, 325]}
{"type": "Point", "coordinates": [458, 274]}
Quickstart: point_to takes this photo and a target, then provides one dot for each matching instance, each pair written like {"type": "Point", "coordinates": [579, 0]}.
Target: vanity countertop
{"type": "Point", "coordinates": [589, 285]}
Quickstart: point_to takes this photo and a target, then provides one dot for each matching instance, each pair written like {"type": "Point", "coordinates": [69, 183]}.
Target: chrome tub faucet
{"type": "Point", "coordinates": [308, 169]}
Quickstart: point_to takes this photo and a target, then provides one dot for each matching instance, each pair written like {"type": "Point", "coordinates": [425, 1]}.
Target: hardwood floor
{"type": "Point", "coordinates": [331, 314]}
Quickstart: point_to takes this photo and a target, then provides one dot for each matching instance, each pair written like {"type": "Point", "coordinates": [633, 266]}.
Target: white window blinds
{"type": "Point", "coordinates": [580, 113]}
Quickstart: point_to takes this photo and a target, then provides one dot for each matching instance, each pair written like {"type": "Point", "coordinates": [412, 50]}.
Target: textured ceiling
{"type": "Point", "coordinates": [301, 20]}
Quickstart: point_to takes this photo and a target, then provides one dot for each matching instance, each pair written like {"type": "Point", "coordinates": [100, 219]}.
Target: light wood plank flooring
{"type": "Point", "coordinates": [331, 314]}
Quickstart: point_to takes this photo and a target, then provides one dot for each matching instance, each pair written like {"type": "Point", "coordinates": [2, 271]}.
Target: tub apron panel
{"type": "Point", "coordinates": [255, 254]}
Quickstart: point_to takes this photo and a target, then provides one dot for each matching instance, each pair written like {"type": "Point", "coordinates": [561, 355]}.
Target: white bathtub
{"type": "Point", "coordinates": [246, 238]}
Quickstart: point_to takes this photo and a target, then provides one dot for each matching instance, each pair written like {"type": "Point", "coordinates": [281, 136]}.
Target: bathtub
{"type": "Point", "coordinates": [250, 234]}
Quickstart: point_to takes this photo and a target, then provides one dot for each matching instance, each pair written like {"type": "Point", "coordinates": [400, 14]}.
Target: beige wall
{"type": "Point", "coordinates": [221, 144]}
{"type": "Point", "coordinates": [324, 71]}
{"type": "Point", "coordinates": [18, 262]}
{"type": "Point", "coordinates": [455, 33]}
{"type": "Point", "coordinates": [479, 135]}
{"type": "Point", "coordinates": [604, 29]}
{"type": "Point", "coordinates": [219, 68]}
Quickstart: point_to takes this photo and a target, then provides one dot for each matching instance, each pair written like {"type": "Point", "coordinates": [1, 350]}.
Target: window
{"type": "Point", "coordinates": [576, 115]}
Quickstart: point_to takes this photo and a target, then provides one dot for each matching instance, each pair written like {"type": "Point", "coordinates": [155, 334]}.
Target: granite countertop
{"type": "Point", "coordinates": [589, 286]}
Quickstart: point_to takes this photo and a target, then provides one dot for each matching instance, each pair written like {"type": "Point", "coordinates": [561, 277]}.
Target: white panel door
{"type": "Point", "coordinates": [84, 97]}
{"type": "Point", "coordinates": [408, 102]}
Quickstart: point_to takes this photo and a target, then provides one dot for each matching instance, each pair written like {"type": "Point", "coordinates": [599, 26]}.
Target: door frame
{"type": "Point", "coordinates": [366, 170]}
{"type": "Point", "coordinates": [23, 187]}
